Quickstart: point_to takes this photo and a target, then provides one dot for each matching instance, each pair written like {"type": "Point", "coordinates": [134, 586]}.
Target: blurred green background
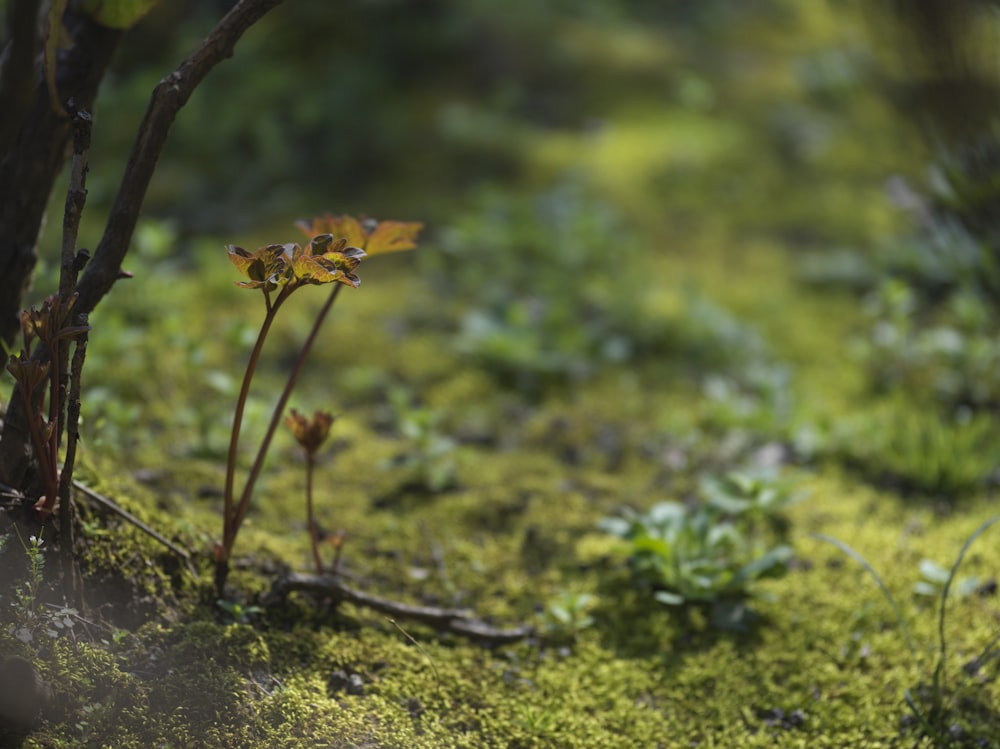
{"type": "Point", "coordinates": [664, 240]}
{"type": "Point", "coordinates": [605, 184]}
{"type": "Point", "coordinates": [405, 107]}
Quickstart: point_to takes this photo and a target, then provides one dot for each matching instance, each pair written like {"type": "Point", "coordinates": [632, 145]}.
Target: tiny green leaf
{"type": "Point", "coordinates": [671, 599]}
{"type": "Point", "coordinates": [933, 572]}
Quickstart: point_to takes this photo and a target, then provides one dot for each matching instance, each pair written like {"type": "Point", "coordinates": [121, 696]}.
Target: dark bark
{"type": "Point", "coordinates": [36, 156]}
{"type": "Point", "coordinates": [168, 97]}
{"type": "Point", "coordinates": [28, 172]}
{"type": "Point", "coordinates": [26, 185]}
{"type": "Point", "coordinates": [460, 622]}
{"type": "Point", "coordinates": [17, 68]}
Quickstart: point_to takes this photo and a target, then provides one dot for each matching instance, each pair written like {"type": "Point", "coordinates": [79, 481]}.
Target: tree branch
{"type": "Point", "coordinates": [168, 97]}
{"type": "Point", "coordinates": [36, 154]}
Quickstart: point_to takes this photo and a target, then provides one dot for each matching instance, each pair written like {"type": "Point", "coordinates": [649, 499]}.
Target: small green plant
{"type": "Point", "coordinates": [25, 603]}
{"type": "Point", "coordinates": [30, 616]}
{"type": "Point", "coordinates": [539, 722]}
{"type": "Point", "coordinates": [430, 458]}
{"type": "Point", "coordinates": [920, 451]}
{"type": "Point", "coordinates": [239, 613]}
{"type": "Point", "coordinates": [336, 248]}
{"type": "Point", "coordinates": [946, 350]}
{"type": "Point", "coordinates": [933, 703]}
{"type": "Point", "coordinates": [708, 555]}
{"type": "Point", "coordinates": [934, 577]}
{"type": "Point", "coordinates": [760, 494]}
{"type": "Point", "coordinates": [567, 615]}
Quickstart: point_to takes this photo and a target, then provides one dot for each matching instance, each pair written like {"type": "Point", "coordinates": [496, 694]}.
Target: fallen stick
{"type": "Point", "coordinates": [456, 621]}
{"type": "Point", "coordinates": [110, 504]}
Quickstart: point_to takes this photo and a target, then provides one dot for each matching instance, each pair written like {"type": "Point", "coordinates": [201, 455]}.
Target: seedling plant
{"type": "Point", "coordinates": [930, 702]}
{"type": "Point", "coordinates": [567, 615]}
{"type": "Point", "coordinates": [311, 434]}
{"type": "Point", "coordinates": [709, 555]}
{"type": "Point", "coordinates": [336, 247]}
{"type": "Point", "coordinates": [50, 324]}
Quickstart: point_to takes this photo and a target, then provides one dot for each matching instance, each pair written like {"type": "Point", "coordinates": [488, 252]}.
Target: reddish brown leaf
{"type": "Point", "coordinates": [310, 433]}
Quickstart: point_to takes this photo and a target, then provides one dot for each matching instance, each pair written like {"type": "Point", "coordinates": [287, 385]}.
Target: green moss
{"type": "Point", "coordinates": [722, 196]}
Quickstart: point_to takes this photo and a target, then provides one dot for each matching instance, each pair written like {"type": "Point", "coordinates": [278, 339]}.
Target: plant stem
{"type": "Point", "coordinates": [51, 455]}
{"type": "Point", "coordinates": [279, 409]}
{"type": "Point", "coordinates": [310, 515]}
{"type": "Point", "coordinates": [33, 427]}
{"type": "Point", "coordinates": [70, 572]}
{"type": "Point", "coordinates": [942, 642]}
{"type": "Point", "coordinates": [228, 516]}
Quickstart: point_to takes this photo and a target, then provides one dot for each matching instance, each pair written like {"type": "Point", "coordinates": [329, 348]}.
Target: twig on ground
{"type": "Point", "coordinates": [456, 621]}
{"type": "Point", "coordinates": [111, 505]}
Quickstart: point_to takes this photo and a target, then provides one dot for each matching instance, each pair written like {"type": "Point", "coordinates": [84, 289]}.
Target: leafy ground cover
{"type": "Point", "coordinates": [625, 327]}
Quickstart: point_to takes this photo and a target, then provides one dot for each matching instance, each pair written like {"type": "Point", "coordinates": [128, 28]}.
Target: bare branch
{"type": "Point", "coordinates": [110, 504]}
{"type": "Point", "coordinates": [456, 621]}
{"type": "Point", "coordinates": [76, 198]}
{"type": "Point", "coordinates": [168, 97]}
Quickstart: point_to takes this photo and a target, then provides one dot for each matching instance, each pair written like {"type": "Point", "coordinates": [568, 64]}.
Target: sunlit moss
{"type": "Point", "coordinates": [722, 191]}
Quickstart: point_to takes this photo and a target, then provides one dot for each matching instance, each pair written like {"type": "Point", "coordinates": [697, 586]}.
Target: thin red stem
{"type": "Point", "coordinates": [230, 524]}
{"type": "Point", "coordinates": [52, 455]}
{"type": "Point", "coordinates": [36, 435]}
{"type": "Point", "coordinates": [279, 409]}
{"type": "Point", "coordinates": [311, 515]}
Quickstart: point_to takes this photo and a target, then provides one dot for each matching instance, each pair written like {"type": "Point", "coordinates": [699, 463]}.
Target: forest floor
{"type": "Point", "coordinates": [697, 303]}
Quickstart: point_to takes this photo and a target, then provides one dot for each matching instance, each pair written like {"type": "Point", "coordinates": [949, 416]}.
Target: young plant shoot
{"type": "Point", "coordinates": [336, 247]}
{"type": "Point", "coordinates": [311, 434]}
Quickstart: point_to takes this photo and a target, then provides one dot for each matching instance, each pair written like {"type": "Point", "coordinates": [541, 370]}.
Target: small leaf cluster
{"type": "Point", "coordinates": [567, 615]}
{"type": "Point", "coordinates": [709, 554]}
{"type": "Point", "coordinates": [322, 261]}
{"type": "Point", "coordinates": [934, 577]}
{"type": "Point", "coordinates": [51, 324]}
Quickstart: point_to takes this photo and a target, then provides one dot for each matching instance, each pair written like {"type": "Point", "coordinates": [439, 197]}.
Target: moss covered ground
{"type": "Point", "coordinates": [724, 174]}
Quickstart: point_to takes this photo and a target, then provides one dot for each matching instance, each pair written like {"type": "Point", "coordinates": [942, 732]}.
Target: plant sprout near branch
{"type": "Point", "coordinates": [50, 324]}
{"type": "Point", "coordinates": [336, 247]}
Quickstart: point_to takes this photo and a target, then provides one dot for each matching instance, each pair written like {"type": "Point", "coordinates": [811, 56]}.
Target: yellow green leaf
{"type": "Point", "coordinates": [315, 269]}
{"type": "Point", "coordinates": [117, 14]}
{"type": "Point", "coordinates": [241, 258]}
{"type": "Point", "coordinates": [266, 267]}
{"type": "Point", "coordinates": [393, 236]}
{"type": "Point", "coordinates": [347, 227]}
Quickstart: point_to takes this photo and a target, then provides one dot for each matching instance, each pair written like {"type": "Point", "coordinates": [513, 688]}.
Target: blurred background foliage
{"type": "Point", "coordinates": [664, 239]}
{"type": "Point", "coordinates": [395, 105]}
{"type": "Point", "coordinates": [596, 176]}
